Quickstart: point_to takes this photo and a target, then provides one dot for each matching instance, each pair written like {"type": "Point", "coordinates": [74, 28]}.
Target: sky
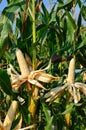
{"type": "Point", "coordinates": [3, 4]}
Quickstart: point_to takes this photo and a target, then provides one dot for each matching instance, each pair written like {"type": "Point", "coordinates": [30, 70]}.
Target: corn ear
{"type": "Point", "coordinates": [71, 71]}
{"type": "Point", "coordinates": [22, 63]}
{"type": "Point", "coordinates": [10, 115]}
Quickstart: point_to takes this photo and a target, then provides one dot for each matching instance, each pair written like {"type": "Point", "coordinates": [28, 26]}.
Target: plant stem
{"type": "Point", "coordinates": [34, 34]}
{"type": "Point", "coordinates": [33, 101]}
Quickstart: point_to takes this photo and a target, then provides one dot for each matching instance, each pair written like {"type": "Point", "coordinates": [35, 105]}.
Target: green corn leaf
{"type": "Point", "coordinates": [66, 4]}
{"type": "Point", "coordinates": [13, 6]}
{"type": "Point", "coordinates": [46, 16]}
{"type": "Point", "coordinates": [72, 21]}
{"type": "Point", "coordinates": [5, 83]}
{"type": "Point", "coordinates": [3, 44]}
{"type": "Point", "coordinates": [49, 119]}
{"type": "Point", "coordinates": [5, 30]}
{"type": "Point", "coordinates": [83, 12]}
{"type": "Point", "coordinates": [53, 13]}
{"type": "Point", "coordinates": [82, 44]}
{"type": "Point", "coordinates": [69, 109]}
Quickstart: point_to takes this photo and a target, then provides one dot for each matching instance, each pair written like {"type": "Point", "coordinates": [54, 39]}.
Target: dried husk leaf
{"type": "Point", "coordinates": [75, 95]}
{"type": "Point", "coordinates": [10, 115]}
{"type": "Point", "coordinates": [55, 91]}
{"type": "Point", "coordinates": [71, 71]}
{"type": "Point", "coordinates": [46, 78]}
{"type": "Point", "coordinates": [81, 87]}
{"type": "Point", "coordinates": [34, 82]}
{"type": "Point", "coordinates": [52, 98]}
{"type": "Point", "coordinates": [28, 127]}
{"type": "Point", "coordinates": [70, 89]}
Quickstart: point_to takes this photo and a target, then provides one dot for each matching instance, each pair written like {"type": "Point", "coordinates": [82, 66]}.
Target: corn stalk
{"type": "Point", "coordinates": [33, 101]}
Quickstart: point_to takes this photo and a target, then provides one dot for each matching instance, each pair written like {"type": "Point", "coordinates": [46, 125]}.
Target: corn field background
{"type": "Point", "coordinates": [43, 65]}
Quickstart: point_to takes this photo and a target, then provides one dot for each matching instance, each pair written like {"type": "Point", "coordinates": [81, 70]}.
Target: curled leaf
{"type": "Point", "coordinates": [81, 87]}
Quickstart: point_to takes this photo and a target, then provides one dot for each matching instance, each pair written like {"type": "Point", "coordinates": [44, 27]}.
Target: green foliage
{"type": "Point", "coordinates": [5, 83]}
{"type": "Point", "coordinates": [58, 35]}
{"type": "Point", "coordinates": [48, 116]}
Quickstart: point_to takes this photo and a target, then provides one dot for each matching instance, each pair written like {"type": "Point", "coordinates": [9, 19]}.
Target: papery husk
{"type": "Point", "coordinates": [54, 93]}
{"type": "Point", "coordinates": [36, 83]}
{"type": "Point", "coordinates": [81, 87]}
{"type": "Point", "coordinates": [28, 127]}
{"type": "Point", "coordinates": [10, 115]}
{"type": "Point", "coordinates": [44, 77]}
{"type": "Point", "coordinates": [75, 96]}
{"type": "Point", "coordinates": [52, 98]}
